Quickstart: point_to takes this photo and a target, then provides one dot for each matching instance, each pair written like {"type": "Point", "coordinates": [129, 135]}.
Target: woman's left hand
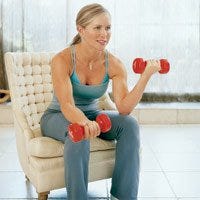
{"type": "Point", "coordinates": [152, 67]}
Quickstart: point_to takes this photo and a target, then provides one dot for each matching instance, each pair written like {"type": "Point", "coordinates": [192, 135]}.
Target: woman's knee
{"type": "Point", "coordinates": [82, 147]}
{"type": "Point", "coordinates": [131, 127]}
{"type": "Point", "coordinates": [54, 124]}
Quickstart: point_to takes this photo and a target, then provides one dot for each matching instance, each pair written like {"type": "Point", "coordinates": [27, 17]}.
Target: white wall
{"type": "Point", "coordinates": [154, 29]}
{"type": "Point", "coordinates": [140, 28]}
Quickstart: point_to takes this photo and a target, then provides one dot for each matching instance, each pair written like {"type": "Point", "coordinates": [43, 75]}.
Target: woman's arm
{"type": "Point", "coordinates": [126, 101]}
{"type": "Point", "coordinates": [63, 90]}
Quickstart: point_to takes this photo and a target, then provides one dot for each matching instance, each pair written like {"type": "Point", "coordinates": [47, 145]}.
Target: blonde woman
{"type": "Point", "coordinates": [81, 74]}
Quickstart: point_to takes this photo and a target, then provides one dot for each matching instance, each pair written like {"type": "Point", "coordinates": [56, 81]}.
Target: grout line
{"type": "Point", "coordinates": [162, 170]}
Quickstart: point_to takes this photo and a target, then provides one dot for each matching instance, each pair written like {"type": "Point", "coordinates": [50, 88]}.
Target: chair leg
{"type": "Point", "coordinates": [26, 177]}
{"type": "Point", "coordinates": [43, 196]}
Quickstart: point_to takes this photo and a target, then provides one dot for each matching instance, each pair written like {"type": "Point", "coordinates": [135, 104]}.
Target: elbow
{"type": "Point", "coordinates": [124, 113]}
{"type": "Point", "coordinates": [124, 110]}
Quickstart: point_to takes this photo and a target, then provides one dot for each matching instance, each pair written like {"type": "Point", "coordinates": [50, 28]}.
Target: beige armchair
{"type": "Point", "coordinates": [41, 158]}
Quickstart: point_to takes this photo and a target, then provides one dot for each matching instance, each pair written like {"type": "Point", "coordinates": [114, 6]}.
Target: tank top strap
{"type": "Point", "coordinates": [73, 57]}
{"type": "Point", "coordinates": [106, 60]}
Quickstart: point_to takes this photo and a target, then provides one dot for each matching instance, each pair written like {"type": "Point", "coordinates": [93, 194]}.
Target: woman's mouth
{"type": "Point", "coordinates": [102, 42]}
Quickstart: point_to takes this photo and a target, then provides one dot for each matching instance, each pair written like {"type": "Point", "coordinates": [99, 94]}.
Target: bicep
{"type": "Point", "coordinates": [119, 85]}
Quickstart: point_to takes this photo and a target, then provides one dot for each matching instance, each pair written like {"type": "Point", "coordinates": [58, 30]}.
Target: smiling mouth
{"type": "Point", "coordinates": [102, 42]}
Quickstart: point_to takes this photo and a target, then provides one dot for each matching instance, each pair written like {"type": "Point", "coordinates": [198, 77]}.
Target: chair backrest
{"type": "Point", "coordinates": [30, 84]}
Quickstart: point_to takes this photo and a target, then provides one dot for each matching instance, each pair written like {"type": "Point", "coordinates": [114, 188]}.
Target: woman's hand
{"type": "Point", "coordinates": [152, 67]}
{"type": "Point", "coordinates": [91, 129]}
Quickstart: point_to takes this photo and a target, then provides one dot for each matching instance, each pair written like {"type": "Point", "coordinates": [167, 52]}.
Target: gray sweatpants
{"type": "Point", "coordinates": [125, 131]}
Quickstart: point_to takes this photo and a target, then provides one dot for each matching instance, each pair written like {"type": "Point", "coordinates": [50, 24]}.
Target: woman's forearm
{"type": "Point", "coordinates": [132, 98]}
{"type": "Point", "coordinates": [74, 114]}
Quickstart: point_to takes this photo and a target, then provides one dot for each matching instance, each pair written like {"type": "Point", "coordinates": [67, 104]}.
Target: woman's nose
{"type": "Point", "coordinates": [104, 32]}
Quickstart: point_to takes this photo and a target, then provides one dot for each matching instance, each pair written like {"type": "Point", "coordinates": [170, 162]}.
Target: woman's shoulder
{"type": "Point", "coordinates": [116, 67]}
{"type": "Point", "coordinates": [63, 57]}
{"type": "Point", "coordinates": [114, 60]}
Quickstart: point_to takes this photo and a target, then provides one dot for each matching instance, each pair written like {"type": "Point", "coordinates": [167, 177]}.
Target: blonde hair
{"type": "Point", "coordinates": [86, 15]}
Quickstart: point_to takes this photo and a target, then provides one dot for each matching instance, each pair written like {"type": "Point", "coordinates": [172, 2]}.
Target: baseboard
{"type": "Point", "coordinates": [145, 113]}
{"type": "Point", "coordinates": [167, 113]}
{"type": "Point", "coordinates": [6, 116]}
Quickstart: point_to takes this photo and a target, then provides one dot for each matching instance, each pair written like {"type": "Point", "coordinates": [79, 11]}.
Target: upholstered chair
{"type": "Point", "coordinates": [41, 158]}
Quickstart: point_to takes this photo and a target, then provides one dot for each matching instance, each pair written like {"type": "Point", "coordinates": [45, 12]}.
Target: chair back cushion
{"type": "Point", "coordinates": [29, 77]}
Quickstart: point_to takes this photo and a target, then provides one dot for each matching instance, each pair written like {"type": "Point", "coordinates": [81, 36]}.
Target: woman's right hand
{"type": "Point", "coordinates": [91, 129]}
{"type": "Point", "coordinates": [152, 67]}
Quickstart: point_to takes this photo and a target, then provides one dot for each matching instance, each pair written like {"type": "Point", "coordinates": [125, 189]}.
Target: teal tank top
{"type": "Point", "coordinates": [85, 96]}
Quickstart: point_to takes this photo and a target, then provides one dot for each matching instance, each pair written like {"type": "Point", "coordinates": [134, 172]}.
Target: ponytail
{"type": "Point", "coordinates": [76, 39]}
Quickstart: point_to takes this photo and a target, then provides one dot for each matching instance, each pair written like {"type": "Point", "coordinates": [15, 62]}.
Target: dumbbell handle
{"type": "Point", "coordinates": [76, 132]}
{"type": "Point", "coordinates": [139, 66]}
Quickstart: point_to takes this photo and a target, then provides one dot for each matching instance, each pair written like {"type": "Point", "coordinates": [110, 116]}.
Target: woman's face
{"type": "Point", "coordinates": [97, 33]}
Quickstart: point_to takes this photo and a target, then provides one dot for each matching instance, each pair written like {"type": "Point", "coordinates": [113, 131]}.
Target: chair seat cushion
{"type": "Point", "coordinates": [46, 147]}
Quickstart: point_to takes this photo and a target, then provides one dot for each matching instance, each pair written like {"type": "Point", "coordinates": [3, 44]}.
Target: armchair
{"type": "Point", "coordinates": [41, 158]}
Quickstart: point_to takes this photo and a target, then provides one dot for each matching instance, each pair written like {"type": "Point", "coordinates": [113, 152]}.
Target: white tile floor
{"type": "Point", "coordinates": [170, 167]}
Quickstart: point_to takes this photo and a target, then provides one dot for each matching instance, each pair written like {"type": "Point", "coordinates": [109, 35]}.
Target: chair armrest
{"type": "Point", "coordinates": [45, 147]}
{"type": "Point", "coordinates": [22, 123]}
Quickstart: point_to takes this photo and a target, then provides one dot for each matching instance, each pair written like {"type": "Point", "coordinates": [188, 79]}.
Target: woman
{"type": "Point", "coordinates": [80, 75]}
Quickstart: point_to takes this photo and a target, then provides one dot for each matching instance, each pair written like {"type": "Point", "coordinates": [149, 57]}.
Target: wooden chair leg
{"type": "Point", "coordinates": [26, 177]}
{"type": "Point", "coordinates": [43, 196]}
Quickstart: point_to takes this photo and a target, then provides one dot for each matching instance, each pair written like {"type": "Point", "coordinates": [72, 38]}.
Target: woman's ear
{"type": "Point", "coordinates": [80, 30]}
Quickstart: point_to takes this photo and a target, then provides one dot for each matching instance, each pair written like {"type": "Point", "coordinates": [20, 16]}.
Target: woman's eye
{"type": "Point", "coordinates": [98, 27]}
{"type": "Point", "coordinates": [108, 28]}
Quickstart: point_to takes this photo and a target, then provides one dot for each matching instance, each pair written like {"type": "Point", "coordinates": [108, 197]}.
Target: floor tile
{"type": "Point", "coordinates": [185, 184]}
{"type": "Point", "coordinates": [11, 148]}
{"type": "Point", "coordinates": [189, 199]}
{"type": "Point", "coordinates": [58, 194]}
{"type": "Point", "coordinates": [149, 162]}
{"type": "Point", "coordinates": [174, 146]}
{"type": "Point", "coordinates": [155, 198]}
{"type": "Point", "coordinates": [7, 132]}
{"type": "Point", "coordinates": [4, 145]}
{"type": "Point", "coordinates": [145, 147]}
{"type": "Point", "coordinates": [179, 161]}
{"type": "Point", "coordinates": [171, 139]}
{"type": "Point", "coordinates": [10, 162]}
{"type": "Point", "coordinates": [154, 184]}
{"type": "Point", "coordinates": [97, 189]}
{"type": "Point", "coordinates": [6, 137]}
{"type": "Point", "coordinates": [170, 166]}
{"type": "Point", "coordinates": [14, 185]}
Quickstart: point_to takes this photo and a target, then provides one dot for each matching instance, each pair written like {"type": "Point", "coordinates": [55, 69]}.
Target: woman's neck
{"type": "Point", "coordinates": [88, 56]}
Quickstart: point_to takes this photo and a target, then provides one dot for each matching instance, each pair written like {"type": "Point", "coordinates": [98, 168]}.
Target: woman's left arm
{"type": "Point", "coordinates": [126, 101]}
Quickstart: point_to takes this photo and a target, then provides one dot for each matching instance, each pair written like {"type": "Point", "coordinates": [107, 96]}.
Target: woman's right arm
{"type": "Point", "coordinates": [60, 69]}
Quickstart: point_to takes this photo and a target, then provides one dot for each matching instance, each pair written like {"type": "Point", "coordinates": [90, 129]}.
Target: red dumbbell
{"type": "Point", "coordinates": [139, 66]}
{"type": "Point", "coordinates": [76, 132]}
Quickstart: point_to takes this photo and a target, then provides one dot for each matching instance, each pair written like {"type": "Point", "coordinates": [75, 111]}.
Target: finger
{"type": "Point", "coordinates": [86, 132]}
{"type": "Point", "coordinates": [159, 65]}
{"type": "Point", "coordinates": [98, 129]}
{"type": "Point", "coordinates": [154, 62]}
{"type": "Point", "coordinates": [94, 129]}
{"type": "Point", "coordinates": [90, 130]}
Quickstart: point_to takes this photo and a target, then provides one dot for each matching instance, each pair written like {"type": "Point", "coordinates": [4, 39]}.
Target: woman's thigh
{"type": "Point", "coordinates": [119, 124]}
{"type": "Point", "coordinates": [54, 124]}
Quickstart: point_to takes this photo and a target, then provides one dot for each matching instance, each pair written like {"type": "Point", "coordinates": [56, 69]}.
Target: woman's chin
{"type": "Point", "coordinates": [101, 47]}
